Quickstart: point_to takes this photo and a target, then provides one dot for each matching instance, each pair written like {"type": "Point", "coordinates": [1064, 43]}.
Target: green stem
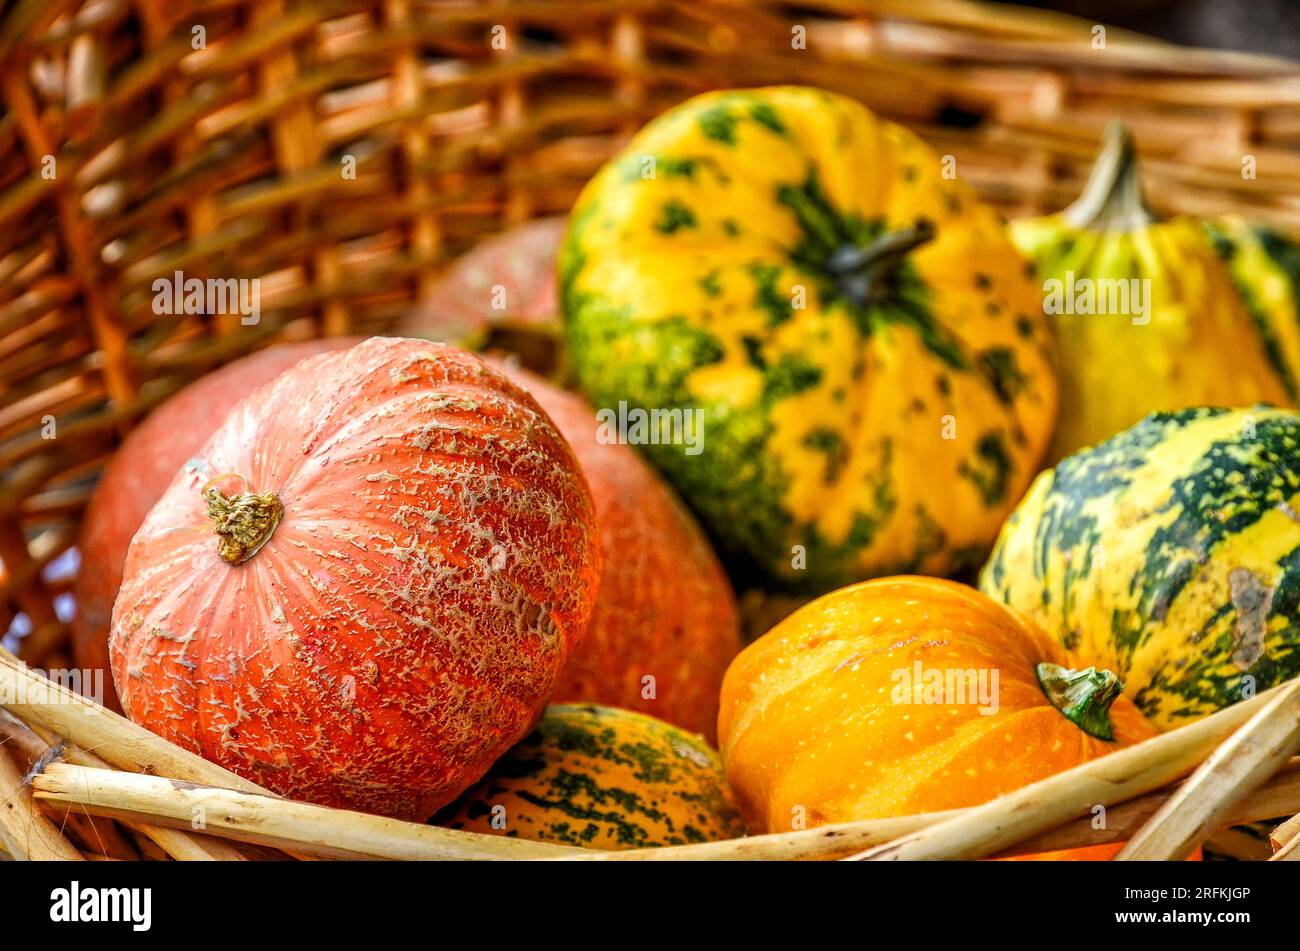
{"type": "Point", "coordinates": [1112, 200]}
{"type": "Point", "coordinates": [1083, 696]}
{"type": "Point", "coordinates": [244, 522]}
{"type": "Point", "coordinates": [861, 273]}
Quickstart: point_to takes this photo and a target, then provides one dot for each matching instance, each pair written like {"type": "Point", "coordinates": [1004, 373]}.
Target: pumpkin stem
{"type": "Point", "coordinates": [1083, 696]}
{"type": "Point", "coordinates": [860, 272]}
{"type": "Point", "coordinates": [1112, 200]}
{"type": "Point", "coordinates": [244, 522]}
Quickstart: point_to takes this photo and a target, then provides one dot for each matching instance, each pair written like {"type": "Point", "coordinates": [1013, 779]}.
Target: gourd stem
{"type": "Point", "coordinates": [1112, 200]}
{"type": "Point", "coordinates": [1083, 696]}
{"type": "Point", "coordinates": [244, 522]}
{"type": "Point", "coordinates": [858, 271]}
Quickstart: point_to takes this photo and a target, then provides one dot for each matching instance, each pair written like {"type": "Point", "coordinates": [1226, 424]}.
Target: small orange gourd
{"type": "Point", "coordinates": [908, 695]}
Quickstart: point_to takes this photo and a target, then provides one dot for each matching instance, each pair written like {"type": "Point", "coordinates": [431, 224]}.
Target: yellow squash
{"type": "Point", "coordinates": [1156, 315]}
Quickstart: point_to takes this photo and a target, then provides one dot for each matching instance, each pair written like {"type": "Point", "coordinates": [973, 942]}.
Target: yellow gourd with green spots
{"type": "Point", "coordinates": [603, 778]}
{"type": "Point", "coordinates": [866, 351]}
{"type": "Point", "coordinates": [1160, 314]}
{"type": "Point", "coordinates": [1169, 554]}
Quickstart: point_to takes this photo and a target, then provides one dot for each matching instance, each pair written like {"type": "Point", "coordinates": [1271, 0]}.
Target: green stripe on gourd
{"type": "Point", "coordinates": [809, 314]}
{"type": "Point", "coordinates": [1169, 554]}
{"type": "Point", "coordinates": [602, 777]}
{"type": "Point", "coordinates": [1265, 267]}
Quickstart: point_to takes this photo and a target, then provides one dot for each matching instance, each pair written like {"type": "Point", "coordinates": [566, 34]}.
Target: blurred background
{"type": "Point", "coordinates": [1264, 26]}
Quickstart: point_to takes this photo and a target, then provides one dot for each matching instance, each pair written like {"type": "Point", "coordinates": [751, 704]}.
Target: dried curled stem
{"type": "Point", "coordinates": [244, 522]}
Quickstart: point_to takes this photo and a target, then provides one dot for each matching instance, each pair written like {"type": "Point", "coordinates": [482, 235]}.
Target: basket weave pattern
{"type": "Point", "coordinates": [134, 144]}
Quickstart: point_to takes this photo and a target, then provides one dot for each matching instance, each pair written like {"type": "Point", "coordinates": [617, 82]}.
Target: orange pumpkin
{"type": "Point", "coordinates": [142, 469]}
{"type": "Point", "coordinates": [500, 292]}
{"type": "Point", "coordinates": [665, 609]}
{"type": "Point", "coordinates": [908, 695]}
{"type": "Point", "coordinates": [362, 590]}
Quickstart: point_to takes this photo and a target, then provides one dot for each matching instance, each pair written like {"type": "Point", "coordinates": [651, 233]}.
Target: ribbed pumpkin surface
{"type": "Point", "coordinates": [602, 778]}
{"type": "Point", "coordinates": [830, 717]}
{"type": "Point", "coordinates": [141, 470]}
{"type": "Point", "coordinates": [665, 624]}
{"type": "Point", "coordinates": [408, 616]}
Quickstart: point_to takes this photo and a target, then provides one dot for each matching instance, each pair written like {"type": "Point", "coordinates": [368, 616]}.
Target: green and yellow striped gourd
{"type": "Point", "coordinates": [1169, 554]}
{"type": "Point", "coordinates": [602, 778]}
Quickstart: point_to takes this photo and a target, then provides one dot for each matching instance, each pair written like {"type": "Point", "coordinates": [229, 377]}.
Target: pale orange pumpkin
{"type": "Point", "coordinates": [501, 292]}
{"type": "Point", "coordinates": [867, 703]}
{"type": "Point", "coordinates": [665, 625]}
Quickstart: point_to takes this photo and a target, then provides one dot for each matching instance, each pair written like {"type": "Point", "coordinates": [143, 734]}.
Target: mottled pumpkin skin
{"type": "Point", "coordinates": [824, 426]}
{"type": "Point", "coordinates": [507, 279]}
{"type": "Point", "coordinates": [665, 608]}
{"type": "Point", "coordinates": [407, 620]}
{"type": "Point", "coordinates": [602, 778]}
{"type": "Point", "coordinates": [1115, 371]}
{"type": "Point", "coordinates": [809, 728]}
{"type": "Point", "coordinates": [141, 470]}
{"type": "Point", "coordinates": [1169, 553]}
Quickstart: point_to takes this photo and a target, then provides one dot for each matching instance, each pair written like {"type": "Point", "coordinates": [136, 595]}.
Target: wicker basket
{"type": "Point", "coordinates": [139, 138]}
